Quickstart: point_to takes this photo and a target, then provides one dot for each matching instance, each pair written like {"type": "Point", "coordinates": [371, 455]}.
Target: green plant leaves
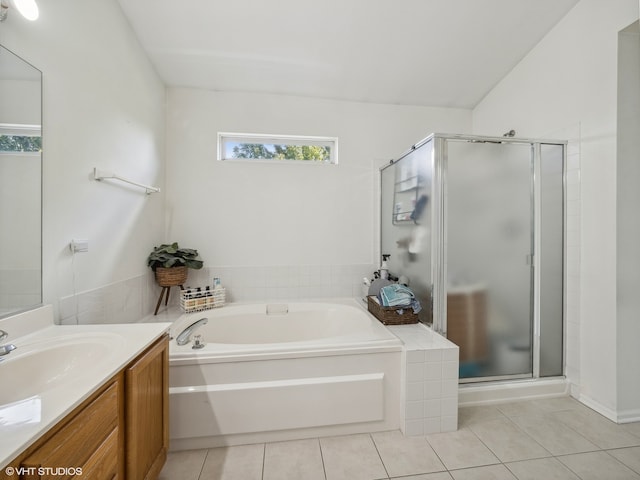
{"type": "Point", "coordinates": [171, 255]}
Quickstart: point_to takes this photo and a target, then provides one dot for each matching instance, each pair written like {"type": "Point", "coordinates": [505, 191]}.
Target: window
{"type": "Point", "coordinates": [277, 148]}
{"type": "Point", "coordinates": [20, 139]}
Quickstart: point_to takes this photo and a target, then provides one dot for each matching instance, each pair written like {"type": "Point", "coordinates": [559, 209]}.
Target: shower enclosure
{"type": "Point", "coordinates": [476, 225]}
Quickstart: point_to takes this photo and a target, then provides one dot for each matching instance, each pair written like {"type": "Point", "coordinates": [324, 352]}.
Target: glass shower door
{"type": "Point", "coordinates": [489, 250]}
{"type": "Point", "coordinates": [405, 221]}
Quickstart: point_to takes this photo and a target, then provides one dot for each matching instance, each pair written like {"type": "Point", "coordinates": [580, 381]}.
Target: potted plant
{"type": "Point", "coordinates": [170, 263]}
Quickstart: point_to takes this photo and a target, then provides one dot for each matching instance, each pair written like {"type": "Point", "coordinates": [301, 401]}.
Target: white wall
{"type": "Point", "coordinates": [628, 221]}
{"type": "Point", "coordinates": [567, 87]}
{"type": "Point", "coordinates": [103, 107]}
{"type": "Point", "coordinates": [256, 215]}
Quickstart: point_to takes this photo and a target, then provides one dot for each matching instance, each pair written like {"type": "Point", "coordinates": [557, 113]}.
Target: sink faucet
{"type": "Point", "coordinates": [183, 338]}
{"type": "Point", "coordinates": [4, 349]}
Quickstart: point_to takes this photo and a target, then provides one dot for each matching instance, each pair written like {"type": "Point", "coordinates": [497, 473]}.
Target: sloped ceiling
{"type": "Point", "coordinates": [415, 52]}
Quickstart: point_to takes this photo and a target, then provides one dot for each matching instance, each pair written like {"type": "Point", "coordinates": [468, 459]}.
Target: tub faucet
{"type": "Point", "coordinates": [183, 338]}
{"type": "Point", "coordinates": [5, 349]}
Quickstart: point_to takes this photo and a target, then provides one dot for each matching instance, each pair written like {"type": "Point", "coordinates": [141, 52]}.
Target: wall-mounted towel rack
{"type": "Point", "coordinates": [101, 175]}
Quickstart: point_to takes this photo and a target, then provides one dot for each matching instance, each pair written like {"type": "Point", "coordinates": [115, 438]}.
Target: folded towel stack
{"type": "Point", "coordinates": [397, 295]}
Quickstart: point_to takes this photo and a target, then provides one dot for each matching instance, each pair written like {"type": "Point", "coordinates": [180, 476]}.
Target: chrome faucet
{"type": "Point", "coordinates": [4, 349]}
{"type": "Point", "coordinates": [183, 338]}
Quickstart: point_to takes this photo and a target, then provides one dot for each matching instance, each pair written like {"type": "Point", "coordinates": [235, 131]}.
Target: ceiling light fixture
{"type": "Point", "coordinates": [27, 8]}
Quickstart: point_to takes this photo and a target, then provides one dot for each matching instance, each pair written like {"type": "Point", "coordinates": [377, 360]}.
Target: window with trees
{"type": "Point", "coordinates": [277, 148]}
{"type": "Point", "coordinates": [20, 139]}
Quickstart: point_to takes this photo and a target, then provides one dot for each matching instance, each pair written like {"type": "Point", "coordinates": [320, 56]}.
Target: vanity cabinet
{"type": "Point", "coordinates": [119, 432]}
{"type": "Point", "coordinates": [88, 441]}
{"type": "Point", "coordinates": [147, 415]}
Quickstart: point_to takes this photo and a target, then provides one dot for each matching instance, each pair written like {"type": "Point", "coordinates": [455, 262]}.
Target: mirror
{"type": "Point", "coordinates": [20, 184]}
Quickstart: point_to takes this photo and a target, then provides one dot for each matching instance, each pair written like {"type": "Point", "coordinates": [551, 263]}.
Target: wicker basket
{"type": "Point", "coordinates": [389, 315]}
{"type": "Point", "coordinates": [171, 277]}
{"type": "Point", "coordinates": [198, 301]}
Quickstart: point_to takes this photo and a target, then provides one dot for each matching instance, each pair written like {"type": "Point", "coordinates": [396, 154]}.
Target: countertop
{"type": "Point", "coordinates": [22, 422]}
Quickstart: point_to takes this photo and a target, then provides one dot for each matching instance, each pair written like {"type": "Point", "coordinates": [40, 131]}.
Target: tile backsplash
{"type": "Point", "coordinates": [285, 282]}
{"type": "Point", "coordinates": [128, 301]}
{"type": "Point", "coordinates": [133, 299]}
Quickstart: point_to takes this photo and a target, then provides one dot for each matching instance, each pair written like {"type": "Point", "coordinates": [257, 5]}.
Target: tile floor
{"type": "Point", "coordinates": [546, 439]}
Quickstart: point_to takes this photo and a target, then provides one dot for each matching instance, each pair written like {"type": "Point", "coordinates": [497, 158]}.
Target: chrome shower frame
{"type": "Point", "coordinates": [439, 273]}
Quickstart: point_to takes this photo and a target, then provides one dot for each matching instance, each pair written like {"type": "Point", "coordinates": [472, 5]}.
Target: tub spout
{"type": "Point", "coordinates": [183, 338]}
{"type": "Point", "coordinates": [5, 349]}
{"type": "Point", "coordinates": [9, 347]}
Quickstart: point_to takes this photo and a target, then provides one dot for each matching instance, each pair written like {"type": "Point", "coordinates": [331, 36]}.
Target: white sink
{"type": "Point", "coordinates": [40, 366]}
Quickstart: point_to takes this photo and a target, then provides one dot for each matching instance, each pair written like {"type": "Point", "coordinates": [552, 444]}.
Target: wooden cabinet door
{"type": "Point", "coordinates": [147, 412]}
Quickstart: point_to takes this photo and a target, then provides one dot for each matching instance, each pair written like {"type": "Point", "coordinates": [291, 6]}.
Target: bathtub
{"type": "Point", "coordinates": [305, 369]}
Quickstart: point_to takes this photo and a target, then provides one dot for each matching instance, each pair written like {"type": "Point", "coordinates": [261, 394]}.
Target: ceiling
{"type": "Point", "coordinates": [448, 53]}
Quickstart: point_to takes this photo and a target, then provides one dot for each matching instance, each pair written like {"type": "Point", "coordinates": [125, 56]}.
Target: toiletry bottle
{"type": "Point", "coordinates": [209, 296]}
{"type": "Point", "coordinates": [384, 269]}
{"type": "Point", "coordinates": [200, 301]}
{"type": "Point", "coordinates": [218, 293]}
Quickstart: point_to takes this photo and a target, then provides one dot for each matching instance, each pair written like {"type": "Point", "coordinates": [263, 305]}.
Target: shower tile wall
{"type": "Point", "coordinates": [133, 299]}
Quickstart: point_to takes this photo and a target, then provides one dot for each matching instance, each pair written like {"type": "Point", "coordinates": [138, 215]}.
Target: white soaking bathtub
{"type": "Point", "coordinates": [307, 369]}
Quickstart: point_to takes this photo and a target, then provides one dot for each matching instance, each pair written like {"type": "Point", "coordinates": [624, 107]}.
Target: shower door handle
{"type": "Point", "coordinates": [529, 259]}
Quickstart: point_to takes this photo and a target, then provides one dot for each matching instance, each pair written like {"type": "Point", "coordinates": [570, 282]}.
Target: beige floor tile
{"type": "Point", "coordinates": [491, 472]}
{"type": "Point", "coordinates": [470, 415]}
{"type": "Point", "coordinates": [527, 407]}
{"type": "Point", "coordinates": [352, 457]}
{"type": "Point", "coordinates": [597, 429]}
{"type": "Point", "coordinates": [507, 441]}
{"type": "Point", "coordinates": [406, 455]}
{"type": "Point", "coordinates": [554, 436]}
{"type": "Point", "coordinates": [293, 460]}
{"type": "Point", "coordinates": [427, 476]}
{"type": "Point", "coordinates": [541, 469]}
{"type": "Point", "coordinates": [558, 404]}
{"type": "Point", "coordinates": [243, 462]}
{"type": "Point", "coordinates": [487, 435]}
{"type": "Point", "coordinates": [629, 456]}
{"type": "Point", "coordinates": [185, 465]}
{"type": "Point", "coordinates": [539, 406]}
{"type": "Point", "coordinates": [598, 466]}
{"type": "Point", "coordinates": [633, 428]}
{"type": "Point", "coordinates": [461, 449]}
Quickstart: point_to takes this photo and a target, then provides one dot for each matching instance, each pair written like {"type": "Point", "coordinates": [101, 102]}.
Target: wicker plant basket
{"type": "Point", "coordinates": [171, 277]}
{"type": "Point", "coordinates": [389, 315]}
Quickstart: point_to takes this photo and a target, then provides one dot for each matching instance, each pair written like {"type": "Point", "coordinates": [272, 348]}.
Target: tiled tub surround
{"type": "Point", "coordinates": [127, 301]}
{"type": "Point", "coordinates": [286, 282]}
{"type": "Point", "coordinates": [130, 300]}
{"type": "Point", "coordinates": [429, 397]}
